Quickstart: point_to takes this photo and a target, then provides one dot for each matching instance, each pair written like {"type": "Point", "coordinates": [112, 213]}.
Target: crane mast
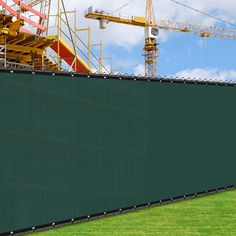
{"type": "Point", "coordinates": [150, 46]}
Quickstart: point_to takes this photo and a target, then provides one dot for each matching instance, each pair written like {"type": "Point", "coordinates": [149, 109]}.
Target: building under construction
{"type": "Point", "coordinates": [25, 39]}
{"type": "Point", "coordinates": [76, 145]}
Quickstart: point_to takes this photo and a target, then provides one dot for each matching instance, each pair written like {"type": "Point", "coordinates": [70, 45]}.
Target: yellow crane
{"type": "Point", "coordinates": [151, 31]}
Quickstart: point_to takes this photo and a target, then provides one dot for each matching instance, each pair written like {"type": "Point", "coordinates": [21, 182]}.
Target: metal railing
{"type": "Point", "coordinates": [14, 65]}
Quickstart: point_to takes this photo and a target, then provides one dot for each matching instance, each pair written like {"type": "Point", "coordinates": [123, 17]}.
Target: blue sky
{"type": "Point", "coordinates": [180, 54]}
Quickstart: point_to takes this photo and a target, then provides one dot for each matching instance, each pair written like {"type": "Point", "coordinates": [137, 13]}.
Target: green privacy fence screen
{"type": "Point", "coordinates": [77, 146]}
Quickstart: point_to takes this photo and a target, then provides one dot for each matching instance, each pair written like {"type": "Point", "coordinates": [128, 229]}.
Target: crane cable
{"type": "Point", "coordinates": [203, 13]}
{"type": "Point", "coordinates": [123, 6]}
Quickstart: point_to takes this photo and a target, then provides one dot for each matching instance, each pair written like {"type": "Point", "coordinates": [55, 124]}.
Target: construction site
{"type": "Point", "coordinates": [29, 42]}
{"type": "Point", "coordinates": [80, 139]}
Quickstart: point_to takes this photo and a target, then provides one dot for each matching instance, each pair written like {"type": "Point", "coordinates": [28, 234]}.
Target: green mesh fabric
{"type": "Point", "coordinates": [72, 147]}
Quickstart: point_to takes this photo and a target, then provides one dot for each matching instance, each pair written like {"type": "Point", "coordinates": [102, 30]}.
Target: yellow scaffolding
{"type": "Point", "coordinates": [22, 47]}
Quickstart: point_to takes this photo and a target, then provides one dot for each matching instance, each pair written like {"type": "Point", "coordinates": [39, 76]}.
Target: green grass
{"type": "Point", "coordinates": [210, 215]}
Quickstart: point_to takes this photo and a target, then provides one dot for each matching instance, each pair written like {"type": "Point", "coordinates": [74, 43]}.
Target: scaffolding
{"type": "Point", "coordinates": [3, 57]}
{"type": "Point", "coordinates": [20, 48]}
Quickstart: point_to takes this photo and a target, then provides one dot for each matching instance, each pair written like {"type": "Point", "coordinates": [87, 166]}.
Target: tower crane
{"type": "Point", "coordinates": [152, 28]}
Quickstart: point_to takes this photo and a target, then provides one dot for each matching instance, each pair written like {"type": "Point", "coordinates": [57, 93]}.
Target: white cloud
{"type": "Point", "coordinates": [209, 74]}
{"type": "Point", "coordinates": [139, 70]}
{"type": "Point", "coordinates": [115, 34]}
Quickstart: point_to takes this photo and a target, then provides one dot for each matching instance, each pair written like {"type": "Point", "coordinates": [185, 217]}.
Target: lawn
{"type": "Point", "coordinates": [210, 215]}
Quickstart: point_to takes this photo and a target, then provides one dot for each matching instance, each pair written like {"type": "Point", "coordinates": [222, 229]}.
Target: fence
{"type": "Point", "coordinates": [75, 146]}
